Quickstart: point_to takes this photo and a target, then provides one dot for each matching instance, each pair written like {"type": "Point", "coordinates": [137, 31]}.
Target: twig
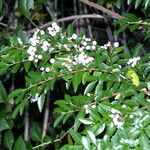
{"type": "Point", "coordinates": [75, 12]}
{"type": "Point", "coordinates": [88, 23]}
{"type": "Point", "coordinates": [108, 29]}
{"type": "Point", "coordinates": [26, 122]}
{"type": "Point", "coordinates": [94, 16]}
{"type": "Point", "coordinates": [46, 115]}
{"type": "Point", "coordinates": [49, 142]}
{"type": "Point", "coordinates": [103, 9]}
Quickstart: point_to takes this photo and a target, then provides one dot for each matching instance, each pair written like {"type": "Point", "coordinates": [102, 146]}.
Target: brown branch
{"type": "Point", "coordinates": [103, 9]}
{"type": "Point", "coordinates": [26, 122]}
{"type": "Point", "coordinates": [49, 142]}
{"type": "Point", "coordinates": [46, 115]}
{"type": "Point", "coordinates": [94, 16]}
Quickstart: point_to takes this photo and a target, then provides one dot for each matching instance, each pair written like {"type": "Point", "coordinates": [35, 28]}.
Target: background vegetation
{"type": "Point", "coordinates": [57, 99]}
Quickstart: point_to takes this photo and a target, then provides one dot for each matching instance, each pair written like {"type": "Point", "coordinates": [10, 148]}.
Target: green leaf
{"type": "Point", "coordinates": [59, 119]}
{"type": "Point", "coordinates": [77, 123]}
{"type": "Point", "coordinates": [8, 140]}
{"type": "Point", "coordinates": [85, 143]}
{"type": "Point", "coordinates": [15, 93]}
{"type": "Point", "coordinates": [19, 108]}
{"type": "Point", "coordinates": [92, 137]}
{"type": "Point", "coordinates": [27, 66]}
{"type": "Point", "coordinates": [15, 68]}
{"type": "Point", "coordinates": [40, 102]}
{"type": "Point", "coordinates": [131, 74]}
{"type": "Point", "coordinates": [3, 93]}
{"type": "Point", "coordinates": [71, 147]}
{"type": "Point", "coordinates": [137, 3]}
{"type": "Point", "coordinates": [3, 124]}
{"type": "Point", "coordinates": [75, 135]}
{"type": "Point", "coordinates": [147, 3]}
{"type": "Point", "coordinates": [19, 144]}
{"type": "Point", "coordinates": [76, 80]}
{"type": "Point", "coordinates": [36, 133]}
{"type": "Point", "coordinates": [3, 68]}
{"type": "Point", "coordinates": [144, 142]}
{"type": "Point", "coordinates": [69, 30]}
{"type": "Point", "coordinates": [89, 87]}
{"type": "Point", "coordinates": [86, 121]}
{"type": "Point", "coordinates": [129, 2]}
{"type": "Point", "coordinates": [25, 6]}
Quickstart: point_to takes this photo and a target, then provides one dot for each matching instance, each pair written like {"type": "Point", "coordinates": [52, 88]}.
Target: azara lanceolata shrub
{"type": "Point", "coordinates": [110, 112]}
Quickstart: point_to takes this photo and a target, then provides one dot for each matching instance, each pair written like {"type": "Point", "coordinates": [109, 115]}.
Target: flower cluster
{"type": "Point", "coordinates": [109, 45]}
{"type": "Point", "coordinates": [33, 56]}
{"type": "Point", "coordinates": [89, 107]}
{"type": "Point", "coordinates": [116, 116]}
{"type": "Point", "coordinates": [133, 61]}
{"type": "Point", "coordinates": [79, 59]}
{"type": "Point", "coordinates": [54, 29]}
{"type": "Point", "coordinates": [40, 44]}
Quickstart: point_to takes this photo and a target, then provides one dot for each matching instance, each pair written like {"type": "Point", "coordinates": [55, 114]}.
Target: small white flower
{"type": "Point", "coordinates": [116, 44]}
{"type": "Point", "coordinates": [52, 60]}
{"type": "Point", "coordinates": [88, 94]}
{"type": "Point", "coordinates": [53, 33]}
{"type": "Point", "coordinates": [45, 43]}
{"type": "Point", "coordinates": [54, 24]}
{"type": "Point", "coordinates": [133, 61]}
{"type": "Point", "coordinates": [94, 43]}
{"type": "Point", "coordinates": [87, 39]}
{"type": "Point", "coordinates": [104, 47]}
{"type": "Point", "coordinates": [39, 56]}
{"type": "Point", "coordinates": [47, 69]}
{"type": "Point", "coordinates": [108, 44]}
{"type": "Point", "coordinates": [124, 106]}
{"type": "Point", "coordinates": [31, 58]}
{"type": "Point", "coordinates": [42, 68]}
{"type": "Point", "coordinates": [88, 47]}
{"type": "Point", "coordinates": [57, 28]}
{"type": "Point", "coordinates": [131, 116]}
{"type": "Point", "coordinates": [42, 32]}
{"type": "Point", "coordinates": [33, 41]}
{"type": "Point", "coordinates": [114, 111]}
{"type": "Point", "coordinates": [112, 116]}
{"type": "Point", "coordinates": [93, 47]}
{"type": "Point", "coordinates": [20, 41]}
{"type": "Point", "coordinates": [93, 106]}
{"type": "Point", "coordinates": [45, 48]}
{"type": "Point", "coordinates": [84, 43]}
{"type": "Point", "coordinates": [36, 60]}
{"type": "Point", "coordinates": [74, 36]}
{"type": "Point", "coordinates": [81, 49]}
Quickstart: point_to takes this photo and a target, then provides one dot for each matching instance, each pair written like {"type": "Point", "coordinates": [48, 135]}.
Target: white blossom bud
{"type": "Point", "coordinates": [39, 56]}
{"type": "Point", "coordinates": [84, 43]}
{"type": "Point", "coordinates": [124, 106]}
{"type": "Point", "coordinates": [74, 36]}
{"type": "Point", "coordinates": [52, 60]}
{"type": "Point", "coordinates": [116, 44]}
{"type": "Point", "coordinates": [88, 47]}
{"type": "Point", "coordinates": [31, 58]}
{"type": "Point", "coordinates": [36, 60]}
{"type": "Point", "coordinates": [47, 69]}
{"type": "Point", "coordinates": [94, 43]}
{"type": "Point", "coordinates": [42, 68]}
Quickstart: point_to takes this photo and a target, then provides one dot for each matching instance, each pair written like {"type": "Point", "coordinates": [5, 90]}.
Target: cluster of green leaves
{"type": "Point", "coordinates": [109, 83]}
